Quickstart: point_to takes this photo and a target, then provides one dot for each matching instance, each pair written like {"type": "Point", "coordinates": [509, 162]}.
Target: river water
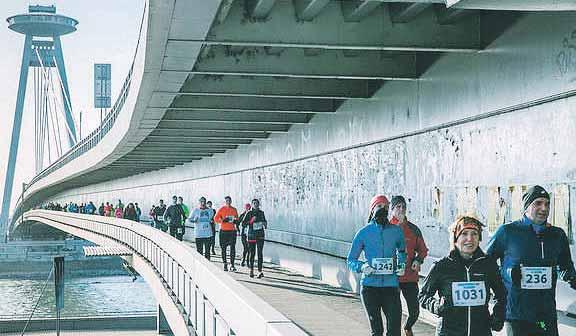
{"type": "Point", "coordinates": [83, 296]}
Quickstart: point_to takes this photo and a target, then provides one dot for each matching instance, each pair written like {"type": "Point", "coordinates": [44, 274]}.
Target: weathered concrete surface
{"type": "Point", "coordinates": [427, 139]}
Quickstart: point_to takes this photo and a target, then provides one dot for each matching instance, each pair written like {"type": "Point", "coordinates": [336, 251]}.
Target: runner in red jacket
{"type": "Point", "coordinates": [416, 251]}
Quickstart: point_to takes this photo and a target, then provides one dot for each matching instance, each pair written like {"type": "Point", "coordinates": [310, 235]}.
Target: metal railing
{"type": "Point", "coordinates": [211, 302]}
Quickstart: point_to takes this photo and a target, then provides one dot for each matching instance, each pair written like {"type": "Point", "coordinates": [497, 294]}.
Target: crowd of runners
{"type": "Point", "coordinates": [204, 220]}
{"type": "Point", "coordinates": [517, 273]}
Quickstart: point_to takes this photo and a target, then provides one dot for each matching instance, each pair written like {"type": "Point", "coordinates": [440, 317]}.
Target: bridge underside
{"type": "Point", "coordinates": [268, 65]}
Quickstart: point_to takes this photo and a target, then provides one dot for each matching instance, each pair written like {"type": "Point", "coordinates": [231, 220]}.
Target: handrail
{"type": "Point", "coordinates": [94, 138]}
{"type": "Point", "coordinates": [212, 302]}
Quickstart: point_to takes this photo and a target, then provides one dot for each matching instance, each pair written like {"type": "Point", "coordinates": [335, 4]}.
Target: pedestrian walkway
{"type": "Point", "coordinates": [318, 308]}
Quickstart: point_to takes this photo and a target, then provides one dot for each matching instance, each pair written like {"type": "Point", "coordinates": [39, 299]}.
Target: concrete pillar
{"type": "Point", "coordinates": [162, 326]}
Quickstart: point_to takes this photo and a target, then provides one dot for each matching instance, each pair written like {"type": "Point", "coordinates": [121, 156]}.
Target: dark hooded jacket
{"type": "Point", "coordinates": [463, 321]}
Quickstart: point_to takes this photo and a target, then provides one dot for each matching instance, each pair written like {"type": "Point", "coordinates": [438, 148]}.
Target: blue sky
{"type": "Point", "coordinates": [107, 33]}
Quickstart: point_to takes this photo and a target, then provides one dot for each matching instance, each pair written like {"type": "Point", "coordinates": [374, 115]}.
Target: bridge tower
{"type": "Point", "coordinates": [43, 52]}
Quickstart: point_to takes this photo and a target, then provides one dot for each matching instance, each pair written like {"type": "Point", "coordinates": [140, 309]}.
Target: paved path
{"type": "Point", "coordinates": [318, 308]}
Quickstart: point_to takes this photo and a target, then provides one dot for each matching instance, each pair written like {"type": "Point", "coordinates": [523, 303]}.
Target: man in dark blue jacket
{"type": "Point", "coordinates": [533, 254]}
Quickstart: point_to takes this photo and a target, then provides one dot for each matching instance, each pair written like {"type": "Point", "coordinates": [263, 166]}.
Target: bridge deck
{"type": "Point", "coordinates": [318, 308]}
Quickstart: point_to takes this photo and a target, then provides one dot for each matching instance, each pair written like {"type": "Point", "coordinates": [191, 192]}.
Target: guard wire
{"type": "Point", "coordinates": [38, 301]}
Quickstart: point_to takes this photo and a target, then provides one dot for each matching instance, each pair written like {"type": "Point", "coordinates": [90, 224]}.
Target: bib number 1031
{"type": "Point", "coordinates": [466, 294]}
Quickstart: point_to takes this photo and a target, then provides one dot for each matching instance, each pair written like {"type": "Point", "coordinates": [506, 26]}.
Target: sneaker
{"type": "Point", "coordinates": [232, 269]}
{"type": "Point", "coordinates": [213, 252]}
{"type": "Point", "coordinates": [260, 275]}
{"type": "Point", "coordinates": [225, 268]}
{"type": "Point", "coordinates": [251, 274]}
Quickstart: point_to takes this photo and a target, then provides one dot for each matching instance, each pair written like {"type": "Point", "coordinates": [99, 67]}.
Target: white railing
{"type": "Point", "coordinates": [212, 302]}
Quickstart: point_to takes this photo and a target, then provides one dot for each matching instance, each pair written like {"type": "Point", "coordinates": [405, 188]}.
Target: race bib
{"type": "Point", "coordinates": [383, 265]}
{"type": "Point", "coordinates": [160, 218]}
{"type": "Point", "coordinates": [258, 225]}
{"type": "Point", "coordinates": [230, 218]}
{"type": "Point", "coordinates": [536, 278]}
{"type": "Point", "coordinates": [466, 294]}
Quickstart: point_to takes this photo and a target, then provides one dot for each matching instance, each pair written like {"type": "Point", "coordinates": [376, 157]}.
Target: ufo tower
{"type": "Point", "coordinates": [43, 52]}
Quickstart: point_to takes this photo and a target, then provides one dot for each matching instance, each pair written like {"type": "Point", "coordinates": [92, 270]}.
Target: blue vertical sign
{"type": "Point", "coordinates": [102, 85]}
{"type": "Point", "coordinates": [59, 282]}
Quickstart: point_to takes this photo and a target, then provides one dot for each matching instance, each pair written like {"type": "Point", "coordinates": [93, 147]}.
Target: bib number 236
{"type": "Point", "coordinates": [536, 278]}
{"type": "Point", "coordinates": [466, 294]}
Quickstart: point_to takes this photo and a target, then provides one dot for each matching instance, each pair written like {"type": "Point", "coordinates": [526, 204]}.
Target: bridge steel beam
{"type": "Point", "coordinates": [180, 279]}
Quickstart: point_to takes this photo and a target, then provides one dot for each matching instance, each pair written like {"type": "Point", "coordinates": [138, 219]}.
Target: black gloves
{"type": "Point", "coordinates": [516, 275]}
{"type": "Point", "coordinates": [496, 323]}
{"type": "Point", "coordinates": [572, 282]}
{"type": "Point", "coordinates": [444, 306]}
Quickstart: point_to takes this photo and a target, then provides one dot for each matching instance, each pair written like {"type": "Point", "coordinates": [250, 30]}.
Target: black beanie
{"type": "Point", "coordinates": [534, 193]}
{"type": "Point", "coordinates": [397, 200]}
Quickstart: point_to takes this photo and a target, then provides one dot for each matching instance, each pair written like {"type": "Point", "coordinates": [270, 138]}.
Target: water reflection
{"type": "Point", "coordinates": [83, 297]}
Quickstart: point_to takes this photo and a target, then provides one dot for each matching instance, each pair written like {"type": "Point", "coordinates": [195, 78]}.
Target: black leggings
{"type": "Point", "coordinates": [383, 299]}
{"type": "Point", "coordinates": [245, 248]}
{"type": "Point", "coordinates": [203, 246]}
{"type": "Point", "coordinates": [228, 238]}
{"type": "Point", "coordinates": [258, 245]}
{"type": "Point", "coordinates": [410, 293]}
{"type": "Point", "coordinates": [526, 328]}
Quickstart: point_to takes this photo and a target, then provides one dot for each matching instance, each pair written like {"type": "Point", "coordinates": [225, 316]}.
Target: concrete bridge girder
{"type": "Point", "coordinates": [279, 87]}
{"type": "Point", "coordinates": [330, 30]}
{"type": "Point", "coordinates": [210, 134]}
{"type": "Point", "coordinates": [257, 103]}
{"type": "Point", "coordinates": [251, 117]}
{"type": "Point", "coordinates": [308, 63]}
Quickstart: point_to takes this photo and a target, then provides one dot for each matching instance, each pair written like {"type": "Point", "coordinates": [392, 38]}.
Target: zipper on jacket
{"type": "Point", "coordinates": [469, 309]}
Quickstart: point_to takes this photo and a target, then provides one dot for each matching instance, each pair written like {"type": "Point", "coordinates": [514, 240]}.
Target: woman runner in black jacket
{"type": "Point", "coordinates": [463, 280]}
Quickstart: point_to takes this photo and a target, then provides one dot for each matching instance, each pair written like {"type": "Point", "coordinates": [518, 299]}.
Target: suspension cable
{"type": "Point", "coordinates": [38, 301]}
{"type": "Point", "coordinates": [64, 95]}
{"type": "Point", "coordinates": [53, 91]}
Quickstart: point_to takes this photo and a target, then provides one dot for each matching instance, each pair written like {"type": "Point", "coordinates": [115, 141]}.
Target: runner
{"type": "Point", "coordinates": [174, 217]}
{"type": "Point", "coordinates": [416, 251]}
{"type": "Point", "coordinates": [213, 226]}
{"type": "Point", "coordinates": [185, 208]}
{"type": "Point", "coordinates": [158, 216]}
{"type": "Point", "coordinates": [256, 222]}
{"type": "Point", "coordinates": [383, 246]}
{"type": "Point", "coordinates": [201, 217]}
{"type": "Point", "coordinates": [243, 224]}
{"type": "Point", "coordinates": [225, 217]}
{"type": "Point", "coordinates": [531, 252]}
{"type": "Point", "coordinates": [463, 281]}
